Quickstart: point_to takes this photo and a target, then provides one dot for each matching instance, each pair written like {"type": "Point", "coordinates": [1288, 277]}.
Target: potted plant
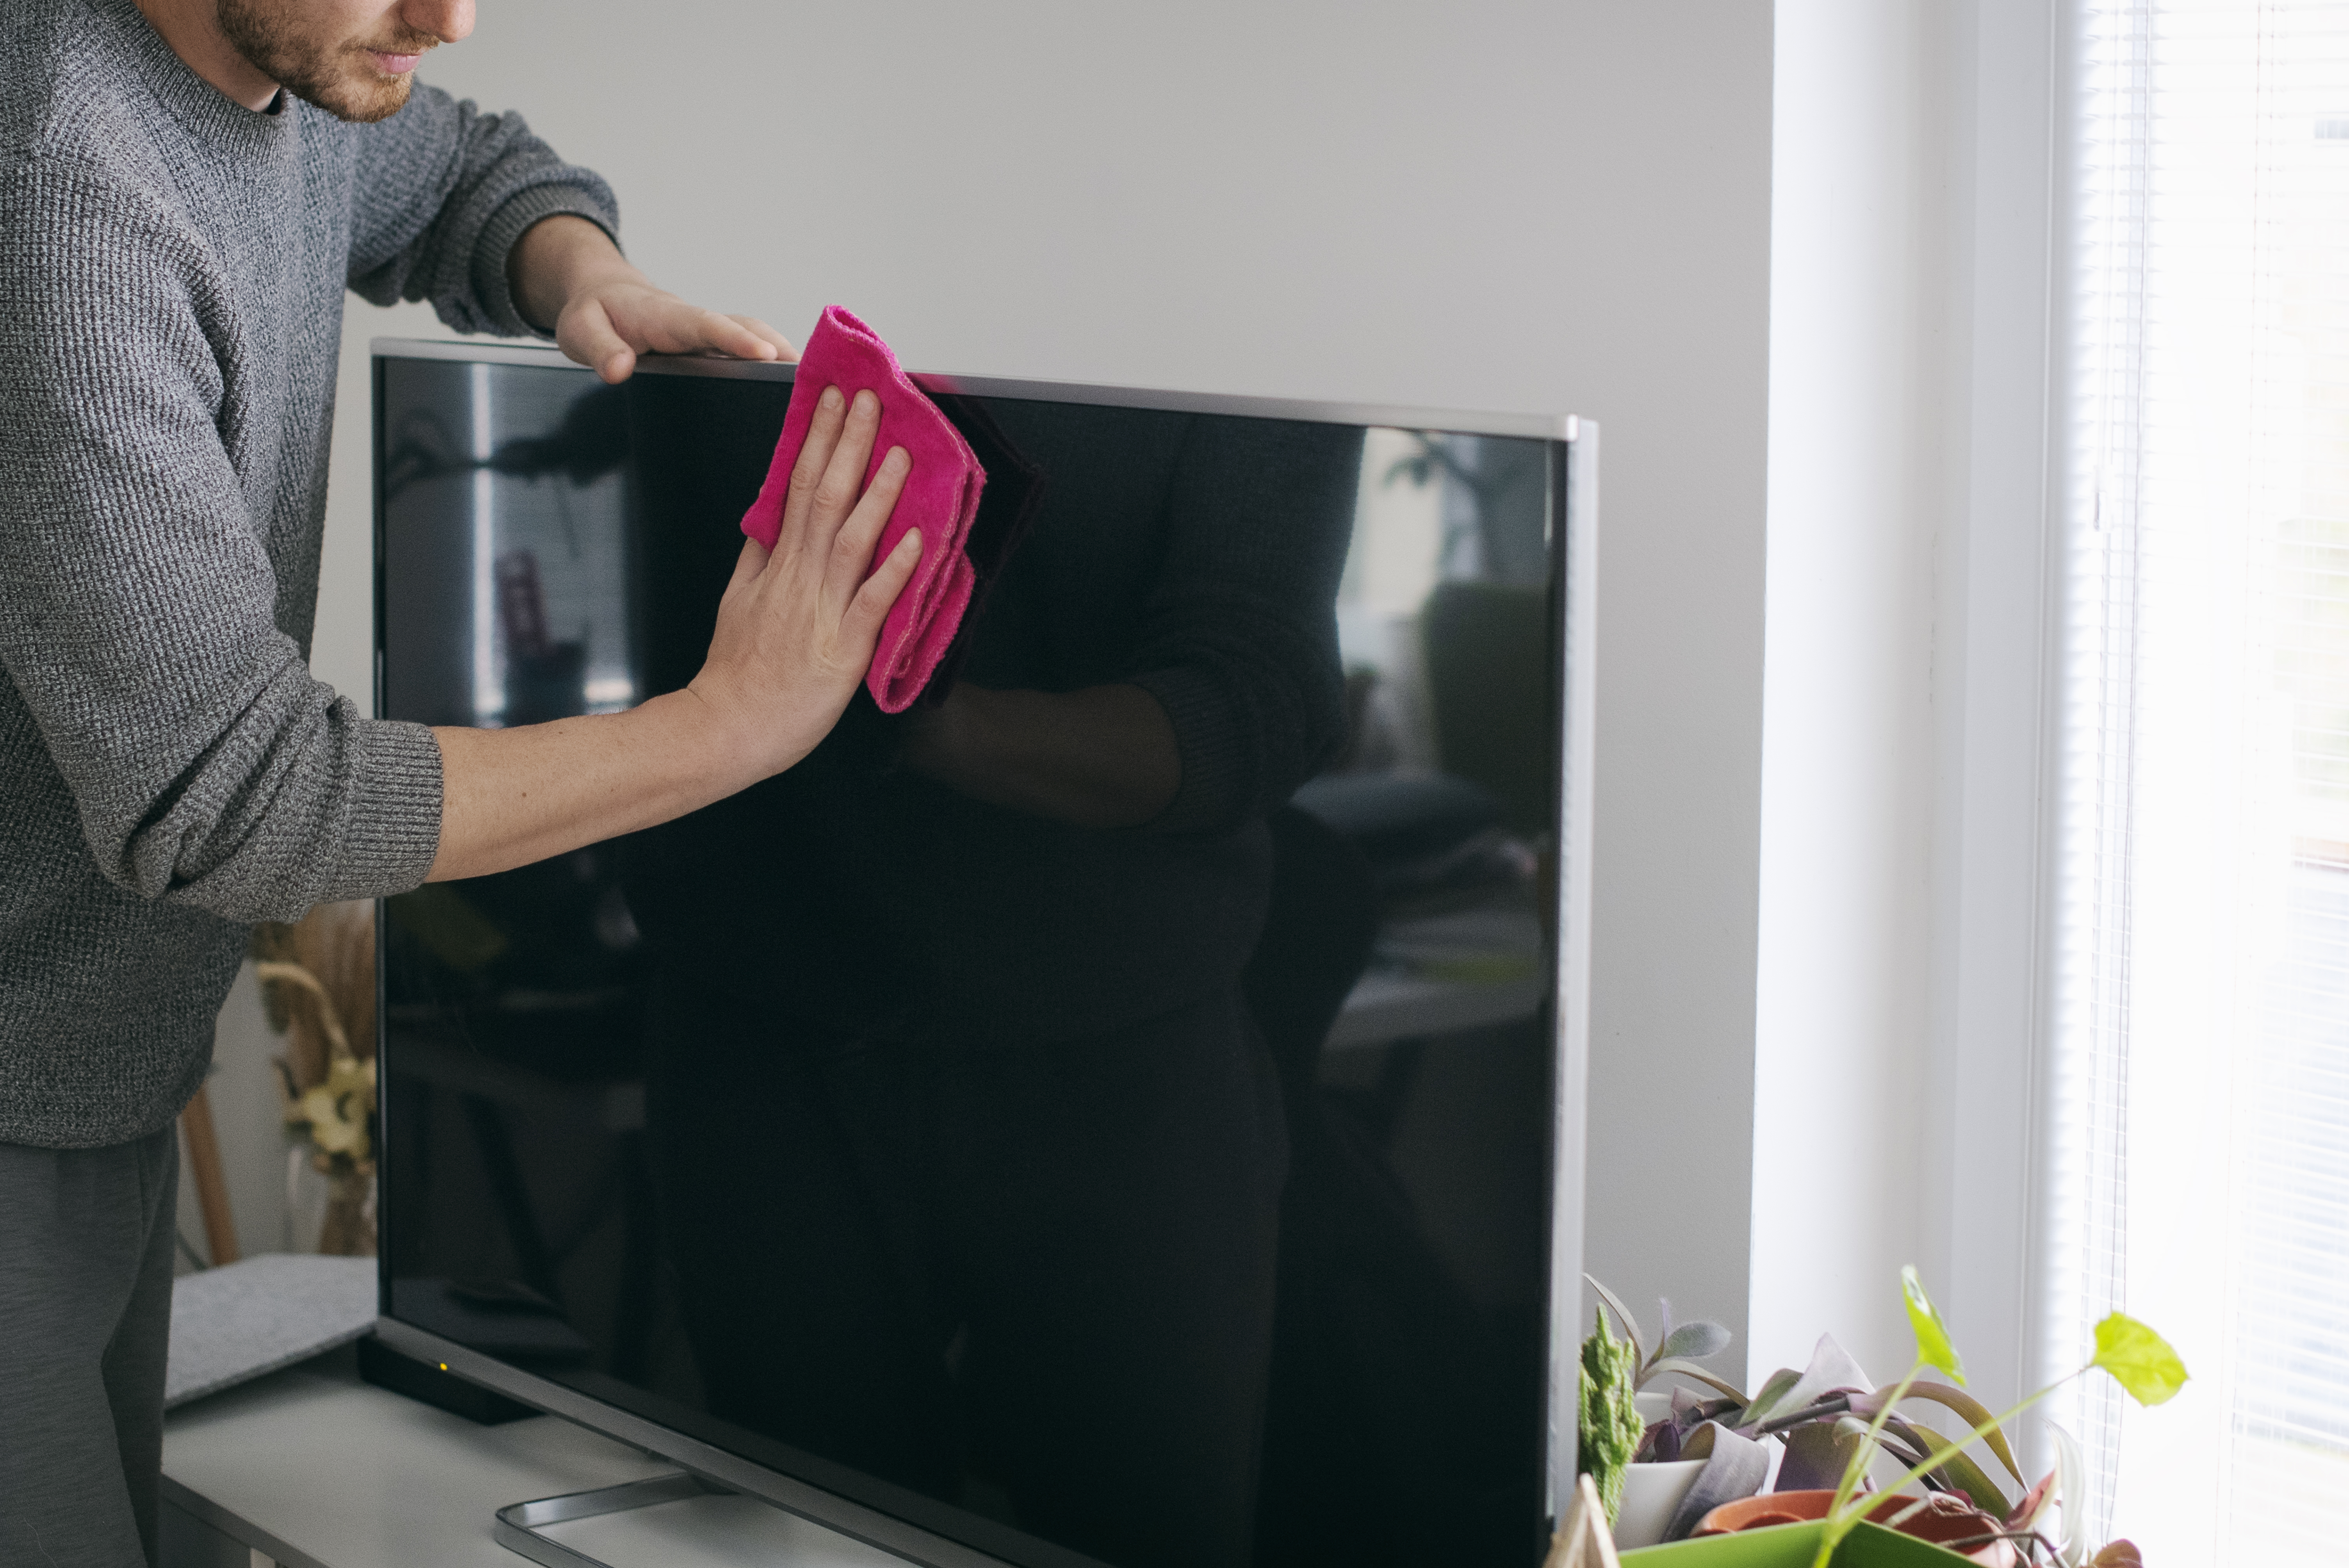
{"type": "Point", "coordinates": [1667, 1448]}
{"type": "Point", "coordinates": [1833, 1425]}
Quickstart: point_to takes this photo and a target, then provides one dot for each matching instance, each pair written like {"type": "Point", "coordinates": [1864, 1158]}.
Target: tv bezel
{"type": "Point", "coordinates": [1573, 517]}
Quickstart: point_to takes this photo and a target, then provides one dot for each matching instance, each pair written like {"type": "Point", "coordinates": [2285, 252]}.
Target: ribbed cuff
{"type": "Point", "coordinates": [394, 832]}
{"type": "Point", "coordinates": [1213, 743]}
{"type": "Point", "coordinates": [504, 230]}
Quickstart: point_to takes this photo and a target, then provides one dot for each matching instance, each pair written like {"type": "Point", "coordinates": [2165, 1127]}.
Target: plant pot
{"type": "Point", "coordinates": [1794, 1546]}
{"type": "Point", "coordinates": [1651, 1494]}
{"type": "Point", "coordinates": [1937, 1522]}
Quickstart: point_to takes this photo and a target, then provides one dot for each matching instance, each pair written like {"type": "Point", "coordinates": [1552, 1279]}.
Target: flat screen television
{"type": "Point", "coordinates": [1043, 1127]}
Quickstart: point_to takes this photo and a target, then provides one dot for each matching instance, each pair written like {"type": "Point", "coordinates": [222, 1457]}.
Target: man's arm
{"type": "Point", "coordinates": [441, 194]}
{"type": "Point", "coordinates": [477, 215]}
{"type": "Point", "coordinates": [796, 630]}
{"type": "Point", "coordinates": [137, 598]}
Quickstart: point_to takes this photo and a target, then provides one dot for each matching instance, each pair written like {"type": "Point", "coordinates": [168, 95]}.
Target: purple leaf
{"type": "Point", "coordinates": [1734, 1467]}
{"type": "Point", "coordinates": [1817, 1455]}
{"type": "Point", "coordinates": [1829, 1369]}
{"type": "Point", "coordinates": [2035, 1502]}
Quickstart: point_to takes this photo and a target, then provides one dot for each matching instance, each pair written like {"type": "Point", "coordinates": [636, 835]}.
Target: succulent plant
{"type": "Point", "coordinates": [1607, 1424]}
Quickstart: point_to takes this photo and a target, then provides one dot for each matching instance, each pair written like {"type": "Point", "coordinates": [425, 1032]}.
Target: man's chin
{"type": "Point", "coordinates": [358, 94]}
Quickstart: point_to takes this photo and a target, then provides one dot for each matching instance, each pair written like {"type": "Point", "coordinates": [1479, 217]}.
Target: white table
{"type": "Point", "coordinates": [310, 1468]}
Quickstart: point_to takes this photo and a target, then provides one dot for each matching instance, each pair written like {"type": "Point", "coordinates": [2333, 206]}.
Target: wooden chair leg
{"type": "Point", "coordinates": [211, 1186]}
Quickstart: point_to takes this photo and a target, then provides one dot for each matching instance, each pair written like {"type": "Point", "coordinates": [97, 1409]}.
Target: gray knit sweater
{"type": "Point", "coordinates": [172, 276]}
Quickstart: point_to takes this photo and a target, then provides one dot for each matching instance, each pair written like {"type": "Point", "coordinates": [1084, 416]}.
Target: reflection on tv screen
{"type": "Point", "coordinates": [1102, 1110]}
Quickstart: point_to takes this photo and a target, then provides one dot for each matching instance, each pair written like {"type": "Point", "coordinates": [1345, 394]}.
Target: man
{"type": "Point", "coordinates": [186, 188]}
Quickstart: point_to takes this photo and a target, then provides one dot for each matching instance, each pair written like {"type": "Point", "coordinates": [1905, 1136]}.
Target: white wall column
{"type": "Point", "coordinates": [1910, 647]}
{"type": "Point", "coordinates": [1860, 468]}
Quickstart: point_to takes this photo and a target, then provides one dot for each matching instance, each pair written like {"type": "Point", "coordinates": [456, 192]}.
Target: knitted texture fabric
{"type": "Point", "coordinates": [172, 268]}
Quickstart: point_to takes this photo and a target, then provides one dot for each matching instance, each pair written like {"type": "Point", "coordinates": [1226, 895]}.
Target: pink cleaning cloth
{"type": "Point", "coordinates": [941, 498]}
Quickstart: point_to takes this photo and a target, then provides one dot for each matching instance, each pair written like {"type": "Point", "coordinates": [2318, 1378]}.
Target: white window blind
{"type": "Point", "coordinates": [2198, 1169]}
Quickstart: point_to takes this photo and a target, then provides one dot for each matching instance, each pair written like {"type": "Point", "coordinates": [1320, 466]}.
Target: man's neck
{"type": "Point", "coordinates": [193, 29]}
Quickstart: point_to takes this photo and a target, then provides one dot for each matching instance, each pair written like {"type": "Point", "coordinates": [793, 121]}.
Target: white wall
{"type": "Point", "coordinates": [1515, 206]}
{"type": "Point", "coordinates": [1899, 1003]}
{"type": "Point", "coordinates": [1858, 465]}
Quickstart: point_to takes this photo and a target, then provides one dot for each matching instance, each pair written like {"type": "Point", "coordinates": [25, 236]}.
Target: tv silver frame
{"type": "Point", "coordinates": [1574, 506]}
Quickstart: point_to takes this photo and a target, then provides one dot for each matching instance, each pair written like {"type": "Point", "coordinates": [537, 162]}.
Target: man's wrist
{"type": "Point", "coordinates": [697, 723]}
{"type": "Point", "coordinates": [557, 258]}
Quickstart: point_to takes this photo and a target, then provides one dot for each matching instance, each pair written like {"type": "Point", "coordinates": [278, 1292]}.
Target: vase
{"type": "Point", "coordinates": [330, 1211]}
{"type": "Point", "coordinates": [1651, 1495]}
{"type": "Point", "coordinates": [347, 1228]}
{"type": "Point", "coordinates": [1943, 1521]}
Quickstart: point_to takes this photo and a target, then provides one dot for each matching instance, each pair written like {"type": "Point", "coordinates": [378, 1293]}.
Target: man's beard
{"type": "Point", "coordinates": [338, 77]}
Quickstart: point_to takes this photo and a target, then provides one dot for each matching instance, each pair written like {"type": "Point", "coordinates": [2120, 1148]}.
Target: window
{"type": "Point", "coordinates": [2198, 1170]}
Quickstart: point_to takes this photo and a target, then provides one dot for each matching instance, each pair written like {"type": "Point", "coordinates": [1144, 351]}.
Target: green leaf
{"type": "Point", "coordinates": [1622, 1315]}
{"type": "Point", "coordinates": [1951, 1466]}
{"type": "Point", "coordinates": [1933, 1346]}
{"type": "Point", "coordinates": [1975, 1414]}
{"type": "Point", "coordinates": [2140, 1360]}
{"type": "Point", "coordinates": [1690, 1369]}
{"type": "Point", "coordinates": [1694, 1341]}
{"type": "Point", "coordinates": [1766, 1403]}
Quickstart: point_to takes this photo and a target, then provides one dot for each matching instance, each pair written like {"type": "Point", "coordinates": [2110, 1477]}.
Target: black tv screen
{"type": "Point", "coordinates": [1107, 1113]}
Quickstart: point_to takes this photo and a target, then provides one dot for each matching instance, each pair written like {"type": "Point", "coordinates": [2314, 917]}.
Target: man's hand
{"type": "Point", "coordinates": [797, 628]}
{"type": "Point", "coordinates": [795, 634]}
{"type": "Point", "coordinates": [566, 274]}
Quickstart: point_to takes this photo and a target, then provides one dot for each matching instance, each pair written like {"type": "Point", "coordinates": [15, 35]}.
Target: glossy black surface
{"type": "Point", "coordinates": [1176, 1192]}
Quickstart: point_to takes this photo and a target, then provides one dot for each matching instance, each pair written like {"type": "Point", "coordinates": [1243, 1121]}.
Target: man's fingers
{"type": "Point", "coordinates": [727, 335]}
{"type": "Point", "coordinates": [844, 474]}
{"type": "Point", "coordinates": [782, 345]}
{"type": "Point", "coordinates": [747, 567]}
{"type": "Point", "coordinates": [852, 550]}
{"type": "Point", "coordinates": [588, 336]}
{"type": "Point", "coordinates": [808, 469]}
{"type": "Point", "coordinates": [871, 605]}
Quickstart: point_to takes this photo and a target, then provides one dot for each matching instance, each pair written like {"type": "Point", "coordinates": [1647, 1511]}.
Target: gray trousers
{"type": "Point", "coordinates": [86, 1242]}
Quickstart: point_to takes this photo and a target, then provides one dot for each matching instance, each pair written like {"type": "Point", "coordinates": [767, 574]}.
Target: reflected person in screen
{"type": "Point", "coordinates": [187, 189]}
{"type": "Point", "coordinates": [971, 1152]}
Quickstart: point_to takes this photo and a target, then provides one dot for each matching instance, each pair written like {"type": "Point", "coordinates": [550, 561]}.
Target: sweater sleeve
{"type": "Point", "coordinates": [441, 194]}
{"type": "Point", "coordinates": [1239, 636]}
{"type": "Point", "coordinates": [136, 598]}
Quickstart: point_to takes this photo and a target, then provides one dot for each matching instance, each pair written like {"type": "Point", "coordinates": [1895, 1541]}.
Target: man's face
{"type": "Point", "coordinates": [354, 58]}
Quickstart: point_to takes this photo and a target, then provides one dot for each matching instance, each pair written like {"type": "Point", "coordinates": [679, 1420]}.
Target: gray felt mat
{"type": "Point", "coordinates": [232, 1324]}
